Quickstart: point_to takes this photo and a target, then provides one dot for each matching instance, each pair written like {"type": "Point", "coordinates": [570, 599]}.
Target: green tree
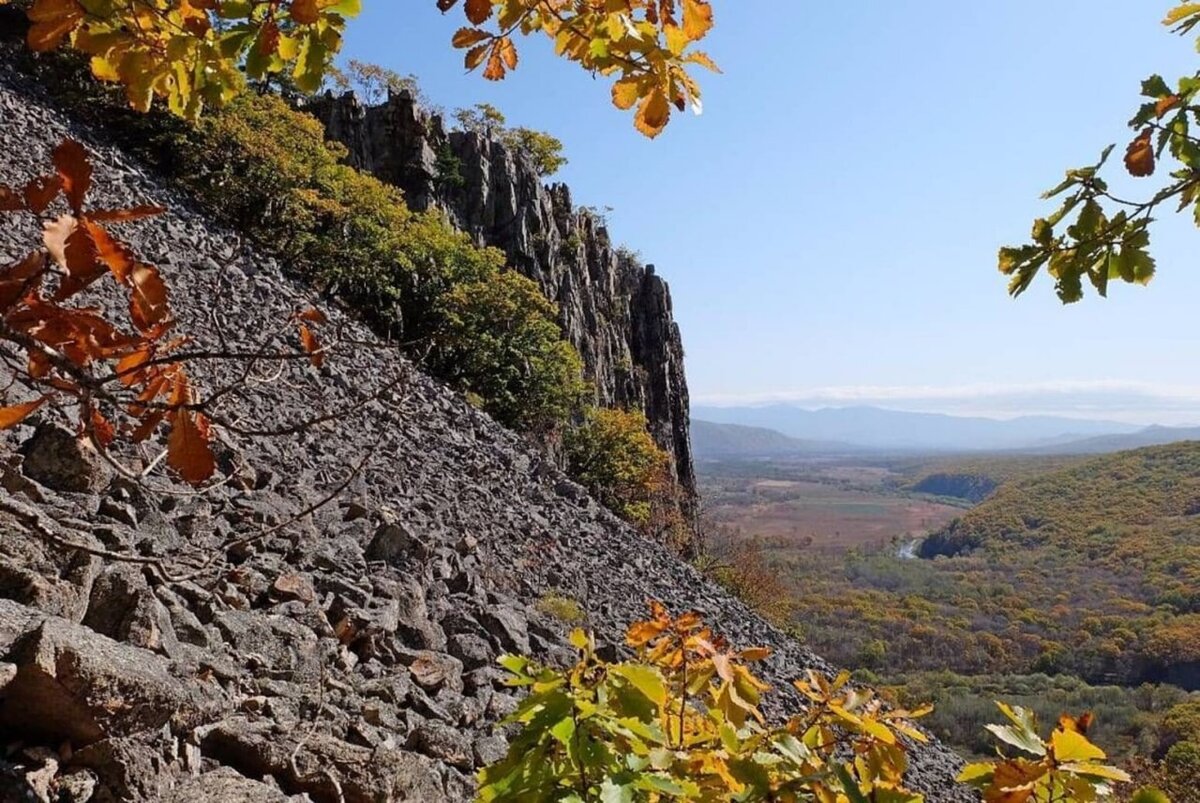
{"type": "Point", "coordinates": [543, 150]}
{"type": "Point", "coordinates": [612, 454]}
{"type": "Point", "coordinates": [499, 338]}
{"type": "Point", "coordinates": [1096, 236]}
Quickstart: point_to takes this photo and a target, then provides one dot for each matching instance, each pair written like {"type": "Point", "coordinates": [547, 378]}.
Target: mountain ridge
{"type": "Point", "coordinates": [884, 429]}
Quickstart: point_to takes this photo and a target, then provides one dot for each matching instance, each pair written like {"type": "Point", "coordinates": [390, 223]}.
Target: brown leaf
{"type": "Point", "coordinates": [41, 192]}
{"type": "Point", "coordinates": [475, 56]}
{"type": "Point", "coordinates": [1139, 156]}
{"type": "Point", "coordinates": [150, 423]}
{"type": "Point", "coordinates": [11, 416]}
{"type": "Point", "coordinates": [19, 278]}
{"type": "Point", "coordinates": [189, 449]}
{"type": "Point", "coordinates": [52, 21]}
{"type": "Point", "coordinates": [1165, 105]}
{"type": "Point", "coordinates": [445, 5]}
{"type": "Point", "coordinates": [466, 37]}
{"type": "Point", "coordinates": [478, 11]}
{"type": "Point", "coordinates": [74, 171]}
{"type": "Point", "coordinates": [10, 200]}
{"type": "Point", "coordinates": [305, 12]}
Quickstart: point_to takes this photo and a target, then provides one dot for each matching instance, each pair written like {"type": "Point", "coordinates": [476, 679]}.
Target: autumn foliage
{"type": "Point", "coordinates": [682, 721]}
{"type": "Point", "coordinates": [123, 378]}
{"type": "Point", "coordinates": [120, 379]}
{"type": "Point", "coordinates": [198, 53]}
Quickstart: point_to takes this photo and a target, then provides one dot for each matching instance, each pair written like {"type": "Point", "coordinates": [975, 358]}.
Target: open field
{"type": "Point", "coordinates": [818, 505]}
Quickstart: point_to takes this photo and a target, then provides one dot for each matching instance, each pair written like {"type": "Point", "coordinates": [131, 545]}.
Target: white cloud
{"type": "Point", "coordinates": [1132, 402]}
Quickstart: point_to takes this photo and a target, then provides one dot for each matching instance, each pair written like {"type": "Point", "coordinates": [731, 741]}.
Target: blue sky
{"type": "Point", "coordinates": [829, 225]}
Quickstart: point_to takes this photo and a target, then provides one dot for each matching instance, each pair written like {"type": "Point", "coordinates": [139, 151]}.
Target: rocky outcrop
{"type": "Point", "coordinates": [323, 624]}
{"type": "Point", "coordinates": [614, 310]}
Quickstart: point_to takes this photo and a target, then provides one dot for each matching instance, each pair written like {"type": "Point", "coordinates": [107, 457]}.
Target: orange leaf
{"type": "Point", "coordinates": [653, 114]}
{"type": "Point", "coordinates": [312, 315]}
{"type": "Point", "coordinates": [478, 11]}
{"type": "Point", "coordinates": [11, 416]}
{"type": "Point", "coordinates": [311, 346]}
{"type": "Point", "coordinates": [494, 71]}
{"type": "Point", "coordinates": [110, 251]}
{"type": "Point", "coordinates": [189, 449]}
{"type": "Point", "coordinates": [1139, 156]}
{"type": "Point", "coordinates": [148, 299]}
{"type": "Point", "coordinates": [74, 171]}
{"type": "Point", "coordinates": [41, 192]}
{"type": "Point", "coordinates": [102, 429]}
{"type": "Point", "coordinates": [508, 53]}
{"type": "Point", "coordinates": [697, 19]}
{"type": "Point", "coordinates": [626, 92]}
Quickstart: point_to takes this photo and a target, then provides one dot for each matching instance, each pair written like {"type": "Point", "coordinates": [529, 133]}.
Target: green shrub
{"type": "Point", "coordinates": [681, 722]}
{"type": "Point", "coordinates": [562, 608]}
{"type": "Point", "coordinates": [499, 338]}
{"type": "Point", "coordinates": [612, 454]}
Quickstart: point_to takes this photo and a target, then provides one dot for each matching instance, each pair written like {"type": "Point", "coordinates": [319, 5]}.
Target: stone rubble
{"type": "Point", "coordinates": [247, 651]}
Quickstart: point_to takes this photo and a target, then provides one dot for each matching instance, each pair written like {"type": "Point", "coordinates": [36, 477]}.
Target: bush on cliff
{"type": "Point", "coordinates": [499, 339]}
{"type": "Point", "coordinates": [612, 454]}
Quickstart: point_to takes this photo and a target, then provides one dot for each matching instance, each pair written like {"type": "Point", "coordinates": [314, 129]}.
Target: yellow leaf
{"type": "Point", "coordinates": [1071, 745]}
{"type": "Point", "coordinates": [697, 19]}
{"type": "Point", "coordinates": [625, 93]}
{"type": "Point", "coordinates": [1181, 12]}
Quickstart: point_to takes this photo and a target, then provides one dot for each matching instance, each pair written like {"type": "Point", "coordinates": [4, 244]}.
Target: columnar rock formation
{"type": "Point", "coordinates": [616, 311]}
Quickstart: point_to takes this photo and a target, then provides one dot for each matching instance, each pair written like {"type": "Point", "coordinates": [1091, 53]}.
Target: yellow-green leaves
{"type": "Point", "coordinates": [176, 50]}
{"type": "Point", "coordinates": [646, 45]}
{"type": "Point", "coordinates": [1067, 767]}
{"type": "Point", "coordinates": [663, 728]}
{"type": "Point", "coordinates": [1109, 238]}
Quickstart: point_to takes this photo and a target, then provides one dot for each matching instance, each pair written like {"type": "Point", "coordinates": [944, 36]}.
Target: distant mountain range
{"type": "Point", "coordinates": [843, 429]}
{"type": "Point", "coordinates": [714, 441]}
{"type": "Point", "coordinates": [1103, 444]}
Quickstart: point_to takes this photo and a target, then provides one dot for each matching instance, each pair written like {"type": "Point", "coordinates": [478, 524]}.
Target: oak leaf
{"type": "Point", "coordinates": [1139, 156]}
{"type": "Point", "coordinates": [189, 449]}
{"type": "Point", "coordinates": [653, 114]}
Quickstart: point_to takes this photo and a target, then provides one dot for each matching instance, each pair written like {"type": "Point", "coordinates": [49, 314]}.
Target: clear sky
{"type": "Point", "coordinates": [829, 226]}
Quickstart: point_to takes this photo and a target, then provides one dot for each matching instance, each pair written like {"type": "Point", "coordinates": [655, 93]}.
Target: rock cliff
{"type": "Point", "coordinates": [255, 643]}
{"type": "Point", "coordinates": [615, 311]}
